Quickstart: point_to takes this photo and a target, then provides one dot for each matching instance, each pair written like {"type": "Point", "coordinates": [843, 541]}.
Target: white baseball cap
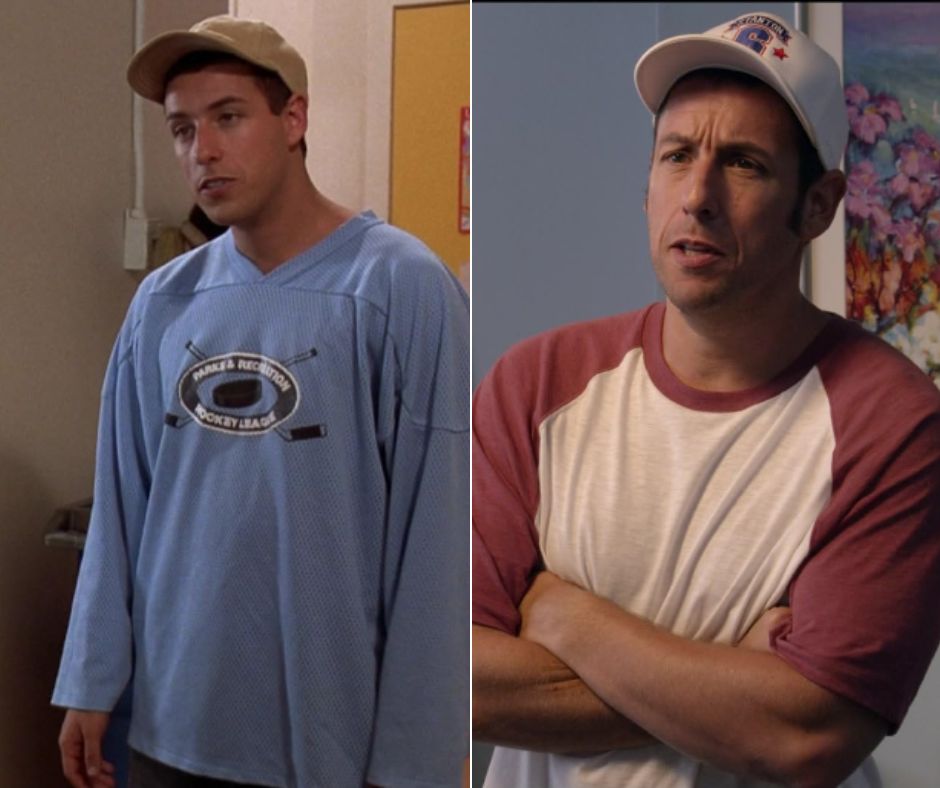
{"type": "Point", "coordinates": [769, 48]}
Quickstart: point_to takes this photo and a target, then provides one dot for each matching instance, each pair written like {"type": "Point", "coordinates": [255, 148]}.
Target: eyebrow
{"type": "Point", "coordinates": [674, 138]}
{"type": "Point", "coordinates": [217, 104]}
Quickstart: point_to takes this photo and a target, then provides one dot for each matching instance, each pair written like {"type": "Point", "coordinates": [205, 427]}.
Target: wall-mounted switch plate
{"type": "Point", "coordinates": [140, 234]}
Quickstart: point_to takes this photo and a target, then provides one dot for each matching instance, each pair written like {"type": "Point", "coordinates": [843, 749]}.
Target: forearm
{"type": "Point", "coordinates": [524, 697]}
{"type": "Point", "coordinates": [744, 711]}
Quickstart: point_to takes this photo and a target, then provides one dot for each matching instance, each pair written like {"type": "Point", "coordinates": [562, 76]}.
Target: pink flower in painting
{"type": "Point", "coordinates": [926, 141]}
{"type": "Point", "coordinates": [856, 94]}
{"type": "Point", "coordinates": [908, 237]}
{"type": "Point", "coordinates": [868, 115]}
{"type": "Point", "coordinates": [916, 176]}
{"type": "Point", "coordinates": [863, 190]}
{"type": "Point", "coordinates": [913, 161]}
{"type": "Point", "coordinates": [888, 107]}
{"type": "Point", "coordinates": [899, 185]}
{"type": "Point", "coordinates": [880, 222]}
{"type": "Point", "coordinates": [868, 125]}
{"type": "Point", "coordinates": [919, 193]}
{"type": "Point", "coordinates": [862, 177]}
{"type": "Point", "coordinates": [865, 200]}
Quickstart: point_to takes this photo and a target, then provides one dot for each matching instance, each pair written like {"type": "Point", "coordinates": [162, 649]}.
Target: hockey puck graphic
{"type": "Point", "coordinates": [256, 377]}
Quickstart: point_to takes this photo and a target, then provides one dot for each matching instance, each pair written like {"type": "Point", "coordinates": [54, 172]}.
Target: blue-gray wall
{"type": "Point", "coordinates": [561, 144]}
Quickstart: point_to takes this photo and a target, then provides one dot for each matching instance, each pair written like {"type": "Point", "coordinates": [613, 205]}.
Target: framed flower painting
{"type": "Point", "coordinates": [892, 208]}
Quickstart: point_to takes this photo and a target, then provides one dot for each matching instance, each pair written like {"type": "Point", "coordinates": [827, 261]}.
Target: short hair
{"type": "Point", "coordinates": [275, 90]}
{"type": "Point", "coordinates": [809, 164]}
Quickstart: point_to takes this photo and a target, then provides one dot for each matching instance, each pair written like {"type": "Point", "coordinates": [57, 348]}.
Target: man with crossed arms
{"type": "Point", "coordinates": [706, 541]}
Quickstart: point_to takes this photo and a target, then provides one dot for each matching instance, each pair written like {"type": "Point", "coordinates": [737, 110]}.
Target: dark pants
{"type": "Point", "coordinates": [148, 773]}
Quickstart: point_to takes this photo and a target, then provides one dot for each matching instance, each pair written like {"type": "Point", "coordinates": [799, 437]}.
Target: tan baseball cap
{"type": "Point", "coordinates": [772, 50]}
{"type": "Point", "coordinates": [248, 39]}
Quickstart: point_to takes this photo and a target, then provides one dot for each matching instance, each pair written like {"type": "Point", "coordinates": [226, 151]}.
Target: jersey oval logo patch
{"type": "Point", "coordinates": [242, 389]}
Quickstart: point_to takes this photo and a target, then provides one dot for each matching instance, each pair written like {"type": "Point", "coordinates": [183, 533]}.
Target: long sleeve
{"type": "Point", "coordinates": [97, 661]}
{"type": "Point", "coordinates": [420, 735]}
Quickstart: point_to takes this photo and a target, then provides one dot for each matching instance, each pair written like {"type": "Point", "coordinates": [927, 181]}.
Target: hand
{"type": "Point", "coordinates": [541, 607]}
{"type": "Point", "coordinates": [80, 749]}
{"type": "Point", "coordinates": [758, 636]}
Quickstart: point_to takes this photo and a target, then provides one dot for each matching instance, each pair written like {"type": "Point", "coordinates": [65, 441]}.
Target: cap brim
{"type": "Point", "coordinates": [146, 73]}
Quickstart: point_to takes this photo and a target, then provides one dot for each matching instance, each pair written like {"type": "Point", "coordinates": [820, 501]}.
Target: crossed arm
{"type": "Point", "coordinates": [524, 696]}
{"type": "Point", "coordinates": [586, 676]}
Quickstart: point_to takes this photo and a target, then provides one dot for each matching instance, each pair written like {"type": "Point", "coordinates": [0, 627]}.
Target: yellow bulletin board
{"type": "Point", "coordinates": [430, 101]}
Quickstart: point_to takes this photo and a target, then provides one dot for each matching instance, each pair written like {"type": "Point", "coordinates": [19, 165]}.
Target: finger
{"type": "Point", "coordinates": [104, 781]}
{"type": "Point", "coordinates": [72, 766]}
{"type": "Point", "coordinates": [92, 755]}
{"type": "Point", "coordinates": [105, 777]}
{"type": "Point", "coordinates": [779, 615]}
{"type": "Point", "coordinates": [76, 780]}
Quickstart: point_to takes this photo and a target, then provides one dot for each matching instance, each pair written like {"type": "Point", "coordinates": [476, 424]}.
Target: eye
{"type": "Point", "coordinates": [676, 157]}
{"type": "Point", "coordinates": [746, 163]}
{"type": "Point", "coordinates": [181, 132]}
{"type": "Point", "coordinates": [228, 118]}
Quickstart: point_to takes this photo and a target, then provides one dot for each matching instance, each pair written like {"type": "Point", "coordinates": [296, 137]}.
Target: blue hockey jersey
{"type": "Point", "coordinates": [278, 553]}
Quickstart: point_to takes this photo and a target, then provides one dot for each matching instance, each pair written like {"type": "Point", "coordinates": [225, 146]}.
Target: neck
{"type": "Point", "coordinates": [301, 217]}
{"type": "Point", "coordinates": [734, 351]}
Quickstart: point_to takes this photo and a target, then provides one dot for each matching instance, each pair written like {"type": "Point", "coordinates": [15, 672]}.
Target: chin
{"type": "Point", "coordinates": [698, 300]}
{"type": "Point", "coordinates": [219, 215]}
{"type": "Point", "coordinates": [697, 293]}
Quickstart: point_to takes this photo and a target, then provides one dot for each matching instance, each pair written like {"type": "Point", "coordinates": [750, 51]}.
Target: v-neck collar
{"type": "Point", "coordinates": [246, 271]}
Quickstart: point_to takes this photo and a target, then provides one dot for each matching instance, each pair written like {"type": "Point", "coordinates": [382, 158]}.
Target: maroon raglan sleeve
{"type": "Point", "coordinates": [505, 491]}
{"type": "Point", "coordinates": [533, 380]}
{"type": "Point", "coordinates": [864, 604]}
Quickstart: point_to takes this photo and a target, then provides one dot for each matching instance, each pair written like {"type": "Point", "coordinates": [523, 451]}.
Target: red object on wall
{"type": "Point", "coordinates": [463, 198]}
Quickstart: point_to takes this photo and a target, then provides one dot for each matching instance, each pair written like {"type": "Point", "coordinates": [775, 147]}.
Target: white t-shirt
{"type": "Point", "coordinates": [698, 511]}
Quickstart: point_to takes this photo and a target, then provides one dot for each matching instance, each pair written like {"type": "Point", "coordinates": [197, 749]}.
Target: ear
{"type": "Point", "coordinates": [295, 119]}
{"type": "Point", "coordinates": [820, 203]}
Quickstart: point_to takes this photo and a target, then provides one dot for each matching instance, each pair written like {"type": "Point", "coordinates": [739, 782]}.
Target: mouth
{"type": "Point", "coordinates": [693, 247]}
{"type": "Point", "coordinates": [694, 253]}
{"type": "Point", "coordinates": [212, 185]}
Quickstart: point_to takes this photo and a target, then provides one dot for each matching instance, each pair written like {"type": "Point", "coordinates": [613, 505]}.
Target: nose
{"type": "Point", "coordinates": [701, 199]}
{"type": "Point", "coordinates": [206, 144]}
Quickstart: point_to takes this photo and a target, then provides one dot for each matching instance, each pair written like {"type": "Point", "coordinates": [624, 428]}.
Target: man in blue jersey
{"type": "Point", "coordinates": [277, 559]}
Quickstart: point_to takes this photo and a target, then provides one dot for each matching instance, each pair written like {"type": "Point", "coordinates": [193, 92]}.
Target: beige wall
{"type": "Point", "coordinates": [348, 48]}
{"type": "Point", "coordinates": [65, 180]}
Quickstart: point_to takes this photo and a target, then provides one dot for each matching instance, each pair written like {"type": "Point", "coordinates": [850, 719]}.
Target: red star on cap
{"type": "Point", "coordinates": [781, 53]}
